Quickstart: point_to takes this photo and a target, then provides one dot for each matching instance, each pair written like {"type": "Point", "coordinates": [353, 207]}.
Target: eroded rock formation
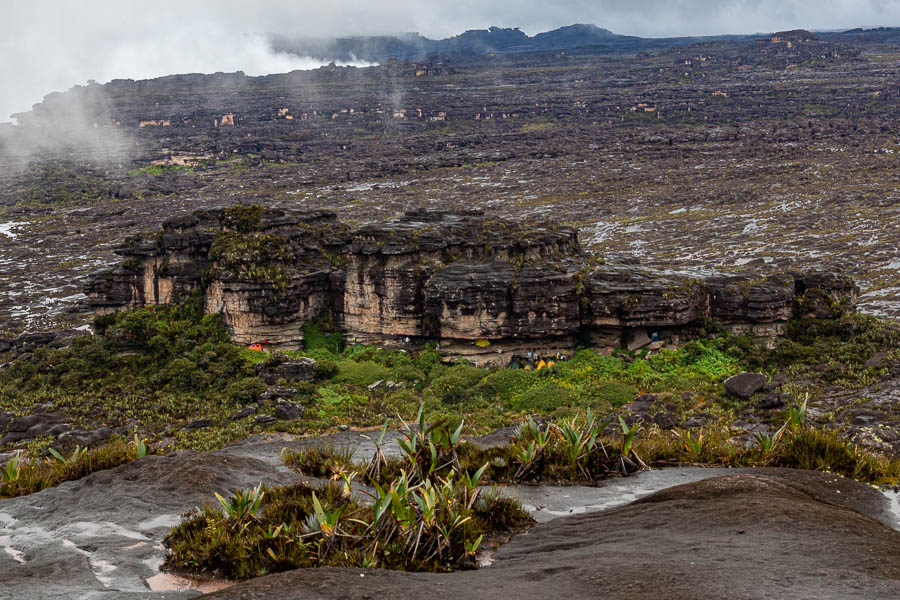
{"type": "Point", "coordinates": [488, 289]}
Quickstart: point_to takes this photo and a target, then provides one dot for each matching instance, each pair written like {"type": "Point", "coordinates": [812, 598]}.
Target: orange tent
{"type": "Point", "coordinates": [257, 347]}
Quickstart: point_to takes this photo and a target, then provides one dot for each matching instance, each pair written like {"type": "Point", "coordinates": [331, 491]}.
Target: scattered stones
{"type": "Point", "coordinates": [199, 424]}
{"type": "Point", "coordinates": [245, 412]}
{"type": "Point", "coordinates": [744, 385]}
{"type": "Point", "coordinates": [697, 420]}
{"type": "Point", "coordinates": [878, 360]}
{"type": "Point", "coordinates": [770, 402]}
{"type": "Point", "coordinates": [264, 420]}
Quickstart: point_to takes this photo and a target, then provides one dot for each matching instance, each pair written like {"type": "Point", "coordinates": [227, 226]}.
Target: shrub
{"type": "Point", "coordinates": [315, 339]}
{"type": "Point", "coordinates": [360, 373]}
{"type": "Point", "coordinates": [326, 369]}
{"type": "Point", "coordinates": [504, 384]}
{"type": "Point", "coordinates": [454, 385]}
{"type": "Point", "coordinates": [613, 393]}
{"type": "Point", "coordinates": [245, 391]}
{"type": "Point", "coordinates": [545, 397]}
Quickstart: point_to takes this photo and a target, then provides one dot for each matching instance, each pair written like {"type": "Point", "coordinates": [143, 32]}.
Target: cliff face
{"type": "Point", "coordinates": [488, 289]}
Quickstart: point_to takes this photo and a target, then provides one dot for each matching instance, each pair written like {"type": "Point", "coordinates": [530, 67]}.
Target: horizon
{"type": "Point", "coordinates": [53, 46]}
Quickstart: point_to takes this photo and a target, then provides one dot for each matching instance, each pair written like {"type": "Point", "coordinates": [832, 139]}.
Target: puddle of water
{"type": "Point", "coordinates": [100, 569]}
{"type": "Point", "coordinates": [893, 497]}
{"type": "Point", "coordinates": [6, 228]}
{"type": "Point", "coordinates": [164, 582]}
{"type": "Point", "coordinates": [17, 555]}
{"type": "Point", "coordinates": [162, 521]}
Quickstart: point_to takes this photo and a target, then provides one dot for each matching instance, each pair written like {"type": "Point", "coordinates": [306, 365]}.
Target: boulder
{"type": "Point", "coordinates": [745, 385]}
{"type": "Point", "coordinates": [295, 369]}
{"type": "Point", "coordinates": [287, 411]}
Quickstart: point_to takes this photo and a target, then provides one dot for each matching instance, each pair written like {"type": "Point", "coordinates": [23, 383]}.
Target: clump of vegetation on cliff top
{"type": "Point", "coordinates": [153, 369]}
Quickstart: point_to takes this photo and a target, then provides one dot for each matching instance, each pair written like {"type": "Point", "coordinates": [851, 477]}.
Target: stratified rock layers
{"type": "Point", "coordinates": [485, 288]}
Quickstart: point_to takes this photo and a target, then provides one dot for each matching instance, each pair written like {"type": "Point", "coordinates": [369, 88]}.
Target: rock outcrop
{"type": "Point", "coordinates": [488, 289]}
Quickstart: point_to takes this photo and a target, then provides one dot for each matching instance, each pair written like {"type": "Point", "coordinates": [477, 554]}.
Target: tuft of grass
{"type": "Point", "coordinates": [21, 477]}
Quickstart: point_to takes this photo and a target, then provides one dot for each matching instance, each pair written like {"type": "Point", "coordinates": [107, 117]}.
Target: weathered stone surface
{"type": "Point", "coordinates": [744, 385]}
{"type": "Point", "coordinates": [489, 290]}
{"type": "Point", "coordinates": [731, 524]}
{"type": "Point", "coordinates": [300, 369]}
{"type": "Point", "coordinates": [287, 411]}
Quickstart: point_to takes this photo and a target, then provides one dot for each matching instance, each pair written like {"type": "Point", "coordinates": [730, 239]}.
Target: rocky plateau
{"type": "Point", "coordinates": [488, 289]}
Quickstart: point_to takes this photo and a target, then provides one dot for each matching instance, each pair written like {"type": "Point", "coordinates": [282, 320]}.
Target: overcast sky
{"type": "Point", "coordinates": [49, 46]}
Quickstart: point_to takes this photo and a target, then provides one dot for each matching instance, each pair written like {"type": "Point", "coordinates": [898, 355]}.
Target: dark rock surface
{"type": "Point", "coordinates": [300, 369]}
{"type": "Point", "coordinates": [100, 536]}
{"type": "Point", "coordinates": [744, 385]}
{"type": "Point", "coordinates": [741, 536]}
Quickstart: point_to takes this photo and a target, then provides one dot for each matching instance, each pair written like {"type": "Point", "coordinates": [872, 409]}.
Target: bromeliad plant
{"type": "Point", "coordinates": [241, 507]}
{"type": "Point", "coordinates": [429, 448]}
{"type": "Point", "coordinates": [433, 524]}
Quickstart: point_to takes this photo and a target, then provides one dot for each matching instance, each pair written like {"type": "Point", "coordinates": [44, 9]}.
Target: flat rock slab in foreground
{"type": "Point", "coordinates": [740, 536]}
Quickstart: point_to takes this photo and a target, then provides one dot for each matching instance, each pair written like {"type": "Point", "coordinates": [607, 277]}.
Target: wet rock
{"type": "Point", "coordinates": [697, 420]}
{"type": "Point", "coordinates": [744, 385]}
{"type": "Point", "coordinates": [643, 403]}
{"type": "Point", "coordinates": [276, 393]}
{"type": "Point", "coordinates": [665, 420]}
{"type": "Point", "coordinates": [46, 429]}
{"type": "Point", "coordinates": [731, 523]}
{"type": "Point", "coordinates": [770, 402]}
{"type": "Point", "coordinates": [23, 424]}
{"type": "Point", "coordinates": [79, 437]}
{"type": "Point", "coordinates": [101, 536]}
{"type": "Point", "coordinates": [12, 438]}
{"type": "Point", "coordinates": [287, 411]}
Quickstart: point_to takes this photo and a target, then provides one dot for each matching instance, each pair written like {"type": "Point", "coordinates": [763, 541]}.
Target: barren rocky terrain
{"type": "Point", "coordinates": [718, 155]}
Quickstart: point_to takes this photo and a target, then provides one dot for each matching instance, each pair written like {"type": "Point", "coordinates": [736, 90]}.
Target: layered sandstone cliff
{"type": "Point", "coordinates": [484, 288]}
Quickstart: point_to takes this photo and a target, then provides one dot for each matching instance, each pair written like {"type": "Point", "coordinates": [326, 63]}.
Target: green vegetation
{"type": "Point", "coordinates": [157, 369]}
{"type": "Point", "coordinates": [571, 449]}
{"type": "Point", "coordinates": [794, 445]}
{"type": "Point", "coordinates": [431, 517]}
{"type": "Point", "coordinates": [153, 369]}
{"type": "Point", "coordinates": [427, 511]}
{"type": "Point", "coordinates": [836, 350]}
{"type": "Point", "coordinates": [21, 476]}
{"type": "Point", "coordinates": [161, 169]}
